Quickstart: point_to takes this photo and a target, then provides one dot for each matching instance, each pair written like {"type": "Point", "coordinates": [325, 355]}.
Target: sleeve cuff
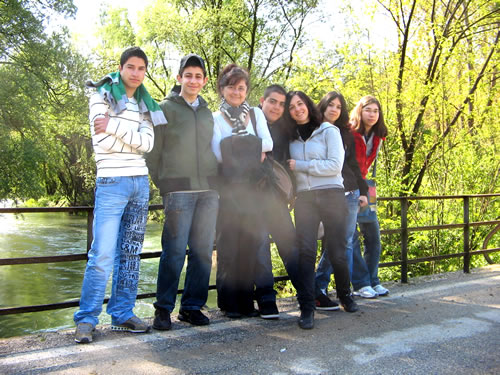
{"type": "Point", "coordinates": [301, 165]}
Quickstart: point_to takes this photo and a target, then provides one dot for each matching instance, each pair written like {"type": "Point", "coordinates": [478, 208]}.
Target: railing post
{"type": "Point", "coordinates": [90, 224]}
{"type": "Point", "coordinates": [404, 240]}
{"type": "Point", "coordinates": [466, 235]}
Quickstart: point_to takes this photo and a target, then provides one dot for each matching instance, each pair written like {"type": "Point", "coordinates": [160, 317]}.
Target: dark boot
{"type": "Point", "coordinates": [348, 303]}
{"type": "Point", "coordinates": [306, 320]}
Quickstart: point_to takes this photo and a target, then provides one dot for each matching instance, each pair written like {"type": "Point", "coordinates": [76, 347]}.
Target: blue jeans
{"type": "Point", "coordinates": [328, 206]}
{"type": "Point", "coordinates": [120, 216]}
{"type": "Point", "coordinates": [190, 220]}
{"type": "Point", "coordinates": [264, 278]}
{"type": "Point", "coordinates": [325, 269]}
{"type": "Point", "coordinates": [365, 268]}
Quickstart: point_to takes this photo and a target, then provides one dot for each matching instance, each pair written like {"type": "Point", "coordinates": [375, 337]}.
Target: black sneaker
{"type": "Point", "coordinates": [268, 310]}
{"type": "Point", "coordinates": [195, 317]}
{"type": "Point", "coordinates": [250, 313]}
{"type": "Point", "coordinates": [325, 303]}
{"type": "Point", "coordinates": [233, 314]}
{"type": "Point", "coordinates": [162, 320]}
{"type": "Point", "coordinates": [348, 304]}
{"type": "Point", "coordinates": [306, 320]}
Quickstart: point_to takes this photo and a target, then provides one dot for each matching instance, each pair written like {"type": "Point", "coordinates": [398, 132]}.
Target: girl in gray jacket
{"type": "Point", "coordinates": [317, 157]}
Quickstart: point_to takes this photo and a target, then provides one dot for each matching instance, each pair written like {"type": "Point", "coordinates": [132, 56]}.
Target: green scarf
{"type": "Point", "coordinates": [112, 90]}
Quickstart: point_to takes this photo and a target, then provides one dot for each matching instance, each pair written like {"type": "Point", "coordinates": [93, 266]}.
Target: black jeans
{"type": "Point", "coordinates": [279, 224]}
{"type": "Point", "coordinates": [239, 232]}
{"type": "Point", "coordinates": [312, 207]}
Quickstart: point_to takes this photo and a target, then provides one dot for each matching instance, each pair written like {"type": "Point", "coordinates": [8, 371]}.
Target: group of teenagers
{"type": "Point", "coordinates": [209, 169]}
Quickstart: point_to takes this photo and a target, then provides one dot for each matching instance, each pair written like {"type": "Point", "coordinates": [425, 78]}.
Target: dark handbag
{"type": "Point", "coordinates": [275, 177]}
{"type": "Point", "coordinates": [241, 157]}
{"type": "Point", "coordinates": [368, 214]}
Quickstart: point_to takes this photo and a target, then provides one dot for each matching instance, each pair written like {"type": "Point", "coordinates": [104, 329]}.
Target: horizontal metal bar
{"type": "Point", "coordinates": [151, 254]}
{"type": "Point", "coordinates": [75, 303]}
{"type": "Point", "coordinates": [437, 197]}
{"type": "Point", "coordinates": [21, 210]}
{"type": "Point", "coordinates": [39, 260]}
{"type": "Point", "coordinates": [154, 207]}
{"type": "Point", "coordinates": [442, 226]}
{"type": "Point", "coordinates": [159, 206]}
{"type": "Point", "coordinates": [439, 257]}
{"type": "Point", "coordinates": [24, 210]}
{"type": "Point", "coordinates": [63, 258]}
{"type": "Point", "coordinates": [156, 254]}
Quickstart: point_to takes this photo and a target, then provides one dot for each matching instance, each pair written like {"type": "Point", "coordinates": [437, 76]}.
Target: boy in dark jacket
{"type": "Point", "coordinates": [277, 217]}
{"type": "Point", "coordinates": [184, 168]}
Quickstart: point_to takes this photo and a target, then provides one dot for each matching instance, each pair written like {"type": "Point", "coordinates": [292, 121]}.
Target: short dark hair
{"type": "Point", "coordinates": [314, 118]}
{"type": "Point", "coordinates": [231, 75]}
{"type": "Point", "coordinates": [133, 52]}
{"type": "Point", "coordinates": [343, 120]}
{"type": "Point", "coordinates": [274, 88]}
{"type": "Point", "coordinates": [192, 60]}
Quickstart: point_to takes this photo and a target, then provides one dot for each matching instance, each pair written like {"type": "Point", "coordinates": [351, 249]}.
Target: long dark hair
{"type": "Point", "coordinates": [343, 120]}
{"type": "Point", "coordinates": [314, 117]}
{"type": "Point", "coordinates": [379, 129]}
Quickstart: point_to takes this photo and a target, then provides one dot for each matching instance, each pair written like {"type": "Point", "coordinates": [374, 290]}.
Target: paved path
{"type": "Point", "coordinates": [442, 324]}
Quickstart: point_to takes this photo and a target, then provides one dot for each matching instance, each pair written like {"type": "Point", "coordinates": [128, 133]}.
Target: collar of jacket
{"type": "Point", "coordinates": [319, 130]}
{"type": "Point", "coordinates": [175, 97]}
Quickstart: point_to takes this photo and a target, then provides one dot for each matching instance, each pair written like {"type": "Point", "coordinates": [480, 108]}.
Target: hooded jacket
{"type": "Point", "coordinates": [365, 161]}
{"type": "Point", "coordinates": [319, 159]}
{"type": "Point", "coordinates": [182, 157]}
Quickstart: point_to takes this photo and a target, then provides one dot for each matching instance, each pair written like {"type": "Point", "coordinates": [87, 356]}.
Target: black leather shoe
{"type": "Point", "coordinates": [306, 320]}
{"type": "Point", "coordinates": [233, 314]}
{"type": "Point", "coordinates": [195, 317]}
{"type": "Point", "coordinates": [250, 313]}
{"type": "Point", "coordinates": [348, 304]}
{"type": "Point", "coordinates": [162, 320]}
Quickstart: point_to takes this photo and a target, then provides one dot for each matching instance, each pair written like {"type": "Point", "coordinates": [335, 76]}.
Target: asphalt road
{"type": "Point", "coordinates": [442, 324]}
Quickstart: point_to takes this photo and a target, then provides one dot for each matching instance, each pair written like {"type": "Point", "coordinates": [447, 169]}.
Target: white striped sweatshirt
{"type": "Point", "coordinates": [129, 135]}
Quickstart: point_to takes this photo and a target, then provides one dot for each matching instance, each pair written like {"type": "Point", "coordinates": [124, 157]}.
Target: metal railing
{"type": "Point", "coordinates": [404, 230]}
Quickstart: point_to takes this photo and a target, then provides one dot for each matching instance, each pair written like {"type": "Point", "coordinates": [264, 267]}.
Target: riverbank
{"type": "Point", "coordinates": [445, 323]}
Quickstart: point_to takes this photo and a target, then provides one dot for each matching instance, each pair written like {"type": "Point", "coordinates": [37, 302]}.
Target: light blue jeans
{"type": "Point", "coordinates": [120, 215]}
{"type": "Point", "coordinates": [365, 267]}
{"type": "Point", "coordinates": [325, 269]}
{"type": "Point", "coordinates": [190, 220]}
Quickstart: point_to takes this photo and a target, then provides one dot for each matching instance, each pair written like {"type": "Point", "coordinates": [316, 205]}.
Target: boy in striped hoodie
{"type": "Point", "coordinates": [121, 117]}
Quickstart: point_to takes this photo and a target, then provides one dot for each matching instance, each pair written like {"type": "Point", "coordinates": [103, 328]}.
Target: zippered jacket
{"type": "Point", "coordinates": [319, 160]}
{"type": "Point", "coordinates": [350, 171]}
{"type": "Point", "coordinates": [182, 157]}
{"type": "Point", "coordinates": [365, 161]}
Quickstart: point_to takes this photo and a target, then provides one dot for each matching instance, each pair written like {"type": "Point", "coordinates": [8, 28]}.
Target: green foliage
{"type": "Point", "coordinates": [42, 106]}
{"type": "Point", "coordinates": [20, 163]}
{"type": "Point", "coordinates": [436, 79]}
{"type": "Point", "coordinates": [260, 35]}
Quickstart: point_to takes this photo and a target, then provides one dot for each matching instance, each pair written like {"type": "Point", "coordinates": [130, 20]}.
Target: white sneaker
{"type": "Point", "coordinates": [365, 292]}
{"type": "Point", "coordinates": [381, 291]}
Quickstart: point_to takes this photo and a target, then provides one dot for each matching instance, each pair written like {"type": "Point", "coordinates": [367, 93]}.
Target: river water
{"type": "Point", "coordinates": [47, 234]}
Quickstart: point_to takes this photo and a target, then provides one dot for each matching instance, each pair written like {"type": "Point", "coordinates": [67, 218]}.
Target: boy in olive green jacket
{"type": "Point", "coordinates": [184, 168]}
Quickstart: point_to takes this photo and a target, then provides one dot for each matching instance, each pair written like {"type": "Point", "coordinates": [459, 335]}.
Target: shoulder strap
{"type": "Point", "coordinates": [254, 121]}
